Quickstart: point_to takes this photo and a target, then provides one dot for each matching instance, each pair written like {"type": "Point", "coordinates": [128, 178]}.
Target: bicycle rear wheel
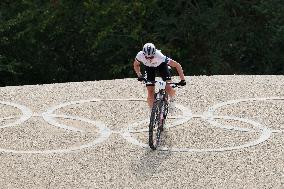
{"type": "Point", "coordinates": [156, 125]}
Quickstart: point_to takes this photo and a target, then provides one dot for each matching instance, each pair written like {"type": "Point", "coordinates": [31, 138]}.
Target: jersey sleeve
{"type": "Point", "coordinates": [167, 60]}
{"type": "Point", "coordinates": [139, 57]}
{"type": "Point", "coordinates": [162, 57]}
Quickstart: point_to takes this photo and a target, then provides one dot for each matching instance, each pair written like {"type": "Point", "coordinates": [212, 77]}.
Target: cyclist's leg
{"type": "Point", "coordinates": [166, 76]}
{"type": "Point", "coordinates": [150, 98]}
{"type": "Point", "coordinates": [170, 90]}
{"type": "Point", "coordinates": [150, 73]}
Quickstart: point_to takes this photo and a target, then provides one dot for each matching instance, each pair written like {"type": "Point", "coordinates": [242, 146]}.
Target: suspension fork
{"type": "Point", "coordinates": [162, 97]}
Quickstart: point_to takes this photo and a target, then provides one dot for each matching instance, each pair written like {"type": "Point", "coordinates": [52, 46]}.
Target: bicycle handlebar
{"type": "Point", "coordinates": [173, 85]}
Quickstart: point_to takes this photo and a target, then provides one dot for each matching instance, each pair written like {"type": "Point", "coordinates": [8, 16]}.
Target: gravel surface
{"type": "Point", "coordinates": [90, 135]}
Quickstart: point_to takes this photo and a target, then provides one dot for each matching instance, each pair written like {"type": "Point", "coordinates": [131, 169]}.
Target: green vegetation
{"type": "Point", "coordinates": [71, 40]}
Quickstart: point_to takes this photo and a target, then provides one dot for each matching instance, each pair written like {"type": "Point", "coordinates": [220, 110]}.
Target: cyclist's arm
{"type": "Point", "coordinates": [136, 66]}
{"type": "Point", "coordinates": [178, 67]}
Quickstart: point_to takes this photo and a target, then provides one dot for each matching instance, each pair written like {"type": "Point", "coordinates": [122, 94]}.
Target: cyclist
{"type": "Point", "coordinates": [154, 61]}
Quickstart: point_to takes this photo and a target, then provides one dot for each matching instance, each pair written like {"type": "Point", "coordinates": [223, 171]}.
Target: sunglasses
{"type": "Point", "coordinates": [149, 57]}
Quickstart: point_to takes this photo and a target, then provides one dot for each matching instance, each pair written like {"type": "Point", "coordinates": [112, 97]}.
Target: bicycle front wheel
{"type": "Point", "coordinates": [156, 124]}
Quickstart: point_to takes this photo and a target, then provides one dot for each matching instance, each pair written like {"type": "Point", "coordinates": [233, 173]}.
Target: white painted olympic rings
{"type": "Point", "coordinates": [26, 114]}
{"type": "Point", "coordinates": [208, 116]}
{"type": "Point", "coordinates": [49, 116]}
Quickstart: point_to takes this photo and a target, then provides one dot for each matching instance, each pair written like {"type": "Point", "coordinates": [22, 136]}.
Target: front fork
{"type": "Point", "coordinates": [162, 95]}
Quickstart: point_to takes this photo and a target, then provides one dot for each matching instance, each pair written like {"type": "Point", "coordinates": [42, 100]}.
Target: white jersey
{"type": "Point", "coordinates": [158, 59]}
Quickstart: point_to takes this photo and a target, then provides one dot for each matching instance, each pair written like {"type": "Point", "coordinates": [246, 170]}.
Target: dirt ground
{"type": "Point", "coordinates": [226, 132]}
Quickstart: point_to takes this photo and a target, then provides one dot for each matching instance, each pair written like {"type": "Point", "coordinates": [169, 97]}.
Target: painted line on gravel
{"type": "Point", "coordinates": [26, 114]}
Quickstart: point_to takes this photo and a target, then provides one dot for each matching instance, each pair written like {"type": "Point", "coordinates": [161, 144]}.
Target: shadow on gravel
{"type": "Point", "coordinates": [150, 164]}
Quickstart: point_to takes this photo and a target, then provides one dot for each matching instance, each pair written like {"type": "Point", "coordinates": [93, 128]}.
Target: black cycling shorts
{"type": "Point", "coordinates": [163, 70]}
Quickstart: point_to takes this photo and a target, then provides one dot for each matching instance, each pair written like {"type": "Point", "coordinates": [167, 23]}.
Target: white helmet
{"type": "Point", "coordinates": [149, 49]}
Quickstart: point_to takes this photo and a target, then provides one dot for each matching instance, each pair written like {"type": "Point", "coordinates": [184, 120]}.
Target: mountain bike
{"type": "Point", "coordinates": [159, 113]}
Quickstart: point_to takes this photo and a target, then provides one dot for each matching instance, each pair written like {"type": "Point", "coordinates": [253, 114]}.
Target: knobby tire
{"type": "Point", "coordinates": [157, 120]}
